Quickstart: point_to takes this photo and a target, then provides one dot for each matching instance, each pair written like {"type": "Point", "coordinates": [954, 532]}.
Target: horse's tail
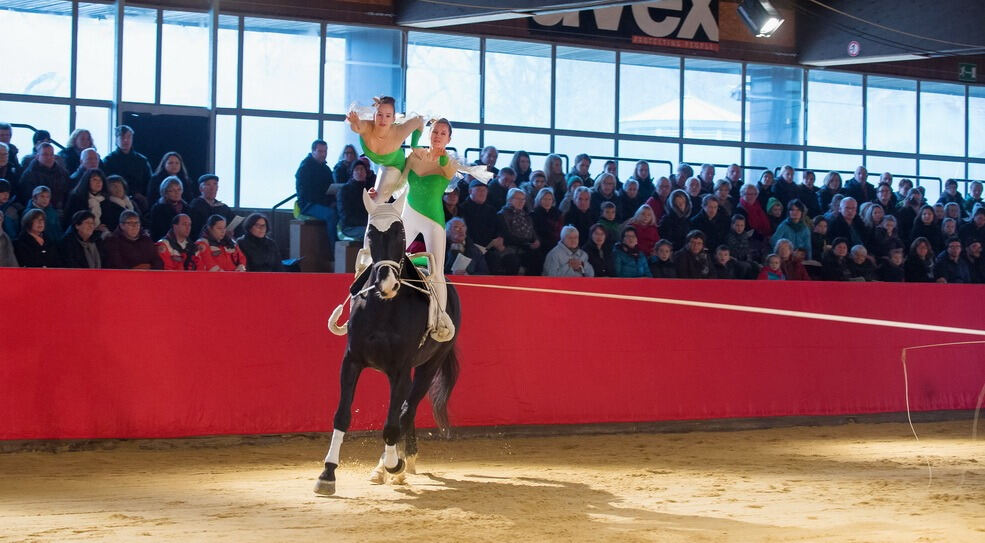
{"type": "Point", "coordinates": [441, 386]}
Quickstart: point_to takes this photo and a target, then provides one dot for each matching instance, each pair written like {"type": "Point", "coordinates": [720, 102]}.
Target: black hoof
{"type": "Point", "coordinates": [399, 468]}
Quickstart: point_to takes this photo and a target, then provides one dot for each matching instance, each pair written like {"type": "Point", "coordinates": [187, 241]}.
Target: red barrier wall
{"type": "Point", "coordinates": [99, 354]}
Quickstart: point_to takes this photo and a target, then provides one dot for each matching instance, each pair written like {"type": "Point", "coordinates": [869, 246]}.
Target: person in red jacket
{"type": "Point", "coordinates": [175, 249]}
{"type": "Point", "coordinates": [216, 251]}
{"type": "Point", "coordinates": [756, 217]}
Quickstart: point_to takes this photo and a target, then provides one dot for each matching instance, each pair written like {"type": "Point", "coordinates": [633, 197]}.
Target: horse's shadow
{"type": "Point", "coordinates": [559, 508]}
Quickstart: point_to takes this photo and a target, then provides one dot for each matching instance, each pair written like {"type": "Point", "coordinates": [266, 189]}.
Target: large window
{"type": "Point", "coordinates": [574, 146]}
{"type": "Point", "coordinates": [942, 169]}
{"type": "Point", "coordinates": [712, 154]}
{"type": "Point", "coordinates": [443, 76]}
{"type": "Point", "coordinates": [185, 65]}
{"type": "Point", "coordinates": [774, 104]}
{"type": "Point", "coordinates": [282, 71]}
{"type": "Point", "coordinates": [632, 151]}
{"type": "Point", "coordinates": [834, 109]}
{"type": "Point", "coordinates": [649, 95]}
{"type": "Point", "coordinates": [976, 125]}
{"type": "Point", "coordinates": [891, 114]}
{"type": "Point", "coordinates": [361, 63]}
{"type": "Point", "coordinates": [518, 141]}
{"type": "Point", "coordinates": [51, 117]}
{"type": "Point", "coordinates": [139, 54]}
{"type": "Point", "coordinates": [227, 61]}
{"type": "Point", "coordinates": [942, 119]}
{"type": "Point", "coordinates": [712, 100]}
{"type": "Point", "coordinates": [268, 163]}
{"type": "Point", "coordinates": [97, 30]}
{"type": "Point", "coordinates": [825, 162]}
{"type": "Point", "coordinates": [899, 167]}
{"type": "Point", "coordinates": [585, 89]}
{"type": "Point", "coordinates": [768, 159]}
{"type": "Point", "coordinates": [36, 50]}
{"type": "Point", "coordinates": [518, 83]}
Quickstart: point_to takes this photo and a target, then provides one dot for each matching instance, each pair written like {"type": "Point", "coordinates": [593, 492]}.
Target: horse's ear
{"type": "Point", "coordinates": [398, 204]}
{"type": "Point", "coordinates": [368, 202]}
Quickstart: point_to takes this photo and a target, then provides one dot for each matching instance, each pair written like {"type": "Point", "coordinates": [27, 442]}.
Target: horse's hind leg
{"type": "Point", "coordinates": [423, 376]}
{"type": "Point", "coordinates": [343, 416]}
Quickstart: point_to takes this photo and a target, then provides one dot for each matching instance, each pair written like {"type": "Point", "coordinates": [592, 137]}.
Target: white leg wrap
{"type": "Point", "coordinates": [333, 448]}
{"type": "Point", "coordinates": [390, 456]}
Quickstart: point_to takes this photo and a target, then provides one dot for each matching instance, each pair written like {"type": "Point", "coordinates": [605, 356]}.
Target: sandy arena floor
{"type": "Point", "coordinates": [863, 482]}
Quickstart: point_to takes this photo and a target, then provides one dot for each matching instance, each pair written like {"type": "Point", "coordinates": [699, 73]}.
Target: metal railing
{"type": "Point", "coordinates": [35, 130]}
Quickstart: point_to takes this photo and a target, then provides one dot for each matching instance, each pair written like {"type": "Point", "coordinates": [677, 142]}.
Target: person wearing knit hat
{"type": "Point", "coordinates": [774, 211]}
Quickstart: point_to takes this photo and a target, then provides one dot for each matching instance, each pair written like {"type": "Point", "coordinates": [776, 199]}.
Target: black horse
{"type": "Point", "coordinates": [388, 332]}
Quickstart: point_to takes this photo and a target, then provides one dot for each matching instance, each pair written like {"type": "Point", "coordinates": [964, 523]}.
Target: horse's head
{"type": "Point", "coordinates": [387, 244]}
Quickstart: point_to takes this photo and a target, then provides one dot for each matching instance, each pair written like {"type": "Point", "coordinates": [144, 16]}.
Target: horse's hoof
{"type": "Point", "coordinates": [399, 479]}
{"type": "Point", "coordinates": [324, 488]}
{"type": "Point", "coordinates": [399, 468]}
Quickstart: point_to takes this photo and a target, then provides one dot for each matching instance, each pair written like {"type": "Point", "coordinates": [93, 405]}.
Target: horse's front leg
{"type": "Point", "coordinates": [390, 462]}
{"type": "Point", "coordinates": [343, 416]}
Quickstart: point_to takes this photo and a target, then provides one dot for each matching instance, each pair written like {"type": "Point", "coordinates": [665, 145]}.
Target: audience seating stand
{"type": "Point", "coordinates": [346, 249]}
{"type": "Point", "coordinates": [309, 240]}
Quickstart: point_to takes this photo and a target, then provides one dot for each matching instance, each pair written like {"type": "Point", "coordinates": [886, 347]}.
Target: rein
{"type": "Point", "coordinates": [396, 268]}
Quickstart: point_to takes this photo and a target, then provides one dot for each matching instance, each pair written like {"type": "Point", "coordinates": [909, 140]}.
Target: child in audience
{"type": "Point", "coordinates": [772, 271]}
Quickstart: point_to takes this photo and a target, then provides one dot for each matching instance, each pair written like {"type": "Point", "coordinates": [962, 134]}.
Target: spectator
{"type": "Point", "coordinates": [975, 227]}
{"type": "Point", "coordinates": [834, 262]}
{"type": "Point", "coordinates": [612, 168]}
{"type": "Point", "coordinates": [692, 260]}
{"type": "Point", "coordinates": [662, 266]}
{"type": "Point", "coordinates": [45, 172]}
{"type": "Point", "coordinates": [604, 190]}
{"type": "Point", "coordinates": [521, 167]}
{"type": "Point", "coordinates": [547, 218]}
{"type": "Point", "coordinates": [6, 131]}
{"type": "Point", "coordinates": [168, 205]}
{"type": "Point", "coordinates": [566, 259]}
{"type": "Point", "coordinates": [261, 252]}
{"type": "Point", "coordinates": [743, 247]}
{"type": "Point", "coordinates": [176, 250]}
{"type": "Point", "coordinates": [832, 186]}
{"type": "Point", "coordinates": [890, 269]}
{"type": "Point", "coordinates": [976, 265]}
{"type": "Point", "coordinates": [580, 215]}
{"type": "Point", "coordinates": [885, 238]}
{"type": "Point", "coordinates": [693, 188]}
{"type": "Point", "coordinates": [32, 248]}
{"type": "Point", "coordinates": [129, 164]}
{"type": "Point", "coordinates": [172, 165]}
{"type": "Point", "coordinates": [926, 226]}
{"type": "Point", "coordinates": [872, 216]}
{"type": "Point", "coordinates": [629, 199]}
{"type": "Point", "coordinates": [939, 212]}
{"type": "Point", "coordinates": [116, 202]}
{"type": "Point", "coordinates": [80, 246]}
{"type": "Point", "coordinates": [774, 212]}
{"type": "Point", "coordinates": [819, 238]}
{"type": "Point", "coordinates": [79, 140]}
{"type": "Point", "coordinates": [348, 158]}
{"type": "Point", "coordinates": [531, 187]}
{"type": "Point", "coordinates": [205, 205]}
{"type": "Point", "coordinates": [676, 222]}
{"type": "Point", "coordinates": [734, 177]}
{"type": "Point", "coordinates": [598, 247]}
{"type": "Point", "coordinates": [860, 266]}
{"type": "Point", "coordinates": [807, 193]}
{"type": "Point", "coordinates": [794, 228]}
{"type": "Point", "coordinates": [129, 246]}
{"type": "Point", "coordinates": [773, 270]}
{"type": "Point", "coordinates": [215, 250]}
{"type": "Point", "coordinates": [706, 179]}
{"type": "Point", "coordinates": [785, 189]}
{"type": "Point", "coordinates": [7, 257]}
{"type": "Point", "coordinates": [949, 228]}
{"type": "Point", "coordinates": [907, 213]}
{"type": "Point", "coordinates": [460, 244]}
{"type": "Point", "coordinates": [499, 187]}
{"type": "Point", "coordinates": [973, 199]}
{"type": "Point", "coordinates": [903, 189]}
{"type": "Point", "coordinates": [790, 260]}
{"type": "Point", "coordinates": [711, 221]}
{"type": "Point", "coordinates": [756, 217]}
{"type": "Point", "coordinates": [88, 160]}
{"type": "Point", "coordinates": [488, 159]}
{"type": "Point", "coordinates": [480, 220]}
{"type": "Point", "coordinates": [580, 170]}
{"type": "Point", "coordinates": [952, 210]}
{"type": "Point", "coordinates": [628, 260]}
{"type": "Point", "coordinates": [89, 195]}
{"type": "Point", "coordinates": [765, 186]}
{"type": "Point", "coordinates": [886, 198]}
{"type": "Point", "coordinates": [41, 199]}
{"type": "Point", "coordinates": [647, 234]}
{"type": "Point", "coordinates": [8, 170]}
{"type": "Point", "coordinates": [10, 223]}
{"type": "Point", "coordinates": [723, 191]}
{"type": "Point", "coordinates": [848, 225]}
{"type": "Point", "coordinates": [313, 180]}
{"type": "Point", "coordinates": [658, 200]}
{"type": "Point", "coordinates": [449, 204]}
{"type": "Point", "coordinates": [573, 185]}
{"type": "Point", "coordinates": [353, 217]}
{"type": "Point", "coordinates": [949, 267]}
{"type": "Point", "coordinates": [516, 227]}
{"type": "Point", "coordinates": [919, 265]}
{"type": "Point", "coordinates": [723, 266]}
{"type": "Point", "coordinates": [39, 137]}
{"type": "Point", "coordinates": [554, 170]}
{"type": "Point", "coordinates": [951, 194]}
{"type": "Point", "coordinates": [858, 188]}
{"type": "Point", "coordinates": [641, 174]}
{"type": "Point", "coordinates": [684, 172]}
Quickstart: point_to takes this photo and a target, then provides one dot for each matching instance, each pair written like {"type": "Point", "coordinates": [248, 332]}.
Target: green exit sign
{"type": "Point", "coordinates": [967, 72]}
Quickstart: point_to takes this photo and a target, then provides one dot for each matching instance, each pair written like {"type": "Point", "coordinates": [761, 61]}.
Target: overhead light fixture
{"type": "Point", "coordinates": [760, 16]}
